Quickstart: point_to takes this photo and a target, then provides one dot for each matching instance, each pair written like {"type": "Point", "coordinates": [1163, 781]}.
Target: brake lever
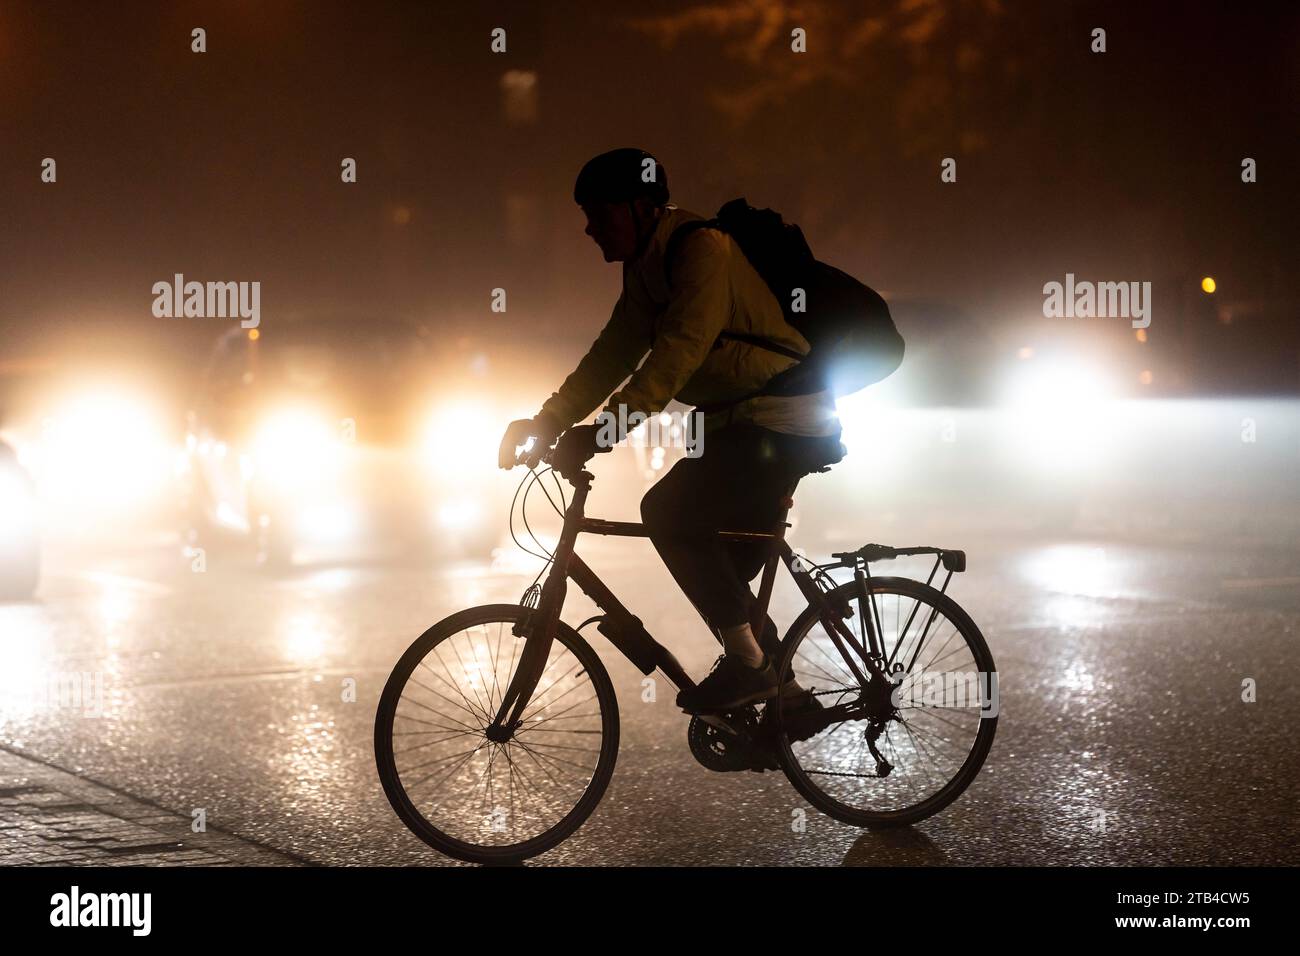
{"type": "Point", "coordinates": [531, 459]}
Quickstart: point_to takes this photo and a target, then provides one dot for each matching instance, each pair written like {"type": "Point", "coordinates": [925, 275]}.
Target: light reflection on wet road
{"type": "Point", "coordinates": [1121, 668]}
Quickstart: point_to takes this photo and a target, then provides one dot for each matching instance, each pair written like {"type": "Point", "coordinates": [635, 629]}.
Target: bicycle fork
{"type": "Point", "coordinates": [538, 635]}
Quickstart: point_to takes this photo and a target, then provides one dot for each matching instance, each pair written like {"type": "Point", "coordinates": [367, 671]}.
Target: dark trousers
{"type": "Point", "coordinates": [736, 484]}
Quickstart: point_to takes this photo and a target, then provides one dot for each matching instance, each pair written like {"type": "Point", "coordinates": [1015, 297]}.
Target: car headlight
{"type": "Point", "coordinates": [1058, 414]}
{"type": "Point", "coordinates": [1056, 387]}
{"type": "Point", "coordinates": [16, 504]}
{"type": "Point", "coordinates": [294, 445]}
{"type": "Point", "coordinates": [102, 448]}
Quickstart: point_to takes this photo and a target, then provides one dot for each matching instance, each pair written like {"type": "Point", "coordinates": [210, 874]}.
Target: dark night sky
{"type": "Point", "coordinates": [225, 165]}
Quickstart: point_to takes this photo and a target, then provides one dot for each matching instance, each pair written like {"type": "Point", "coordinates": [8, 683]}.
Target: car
{"type": "Point", "coordinates": [20, 551]}
{"type": "Point", "coordinates": [312, 437]}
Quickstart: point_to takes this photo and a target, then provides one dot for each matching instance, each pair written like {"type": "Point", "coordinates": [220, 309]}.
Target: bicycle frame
{"type": "Point", "coordinates": [625, 630]}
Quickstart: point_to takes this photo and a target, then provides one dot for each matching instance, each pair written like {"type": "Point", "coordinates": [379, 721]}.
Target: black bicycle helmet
{"type": "Point", "coordinates": [621, 176]}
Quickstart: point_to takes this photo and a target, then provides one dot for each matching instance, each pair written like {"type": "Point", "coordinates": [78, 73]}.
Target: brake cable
{"type": "Point", "coordinates": [535, 478]}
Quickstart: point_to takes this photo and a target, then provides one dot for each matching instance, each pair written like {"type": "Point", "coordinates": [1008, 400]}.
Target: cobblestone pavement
{"type": "Point", "coordinates": [49, 817]}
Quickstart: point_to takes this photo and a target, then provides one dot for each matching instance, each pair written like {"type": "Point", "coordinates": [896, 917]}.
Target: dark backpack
{"type": "Point", "coordinates": [854, 341]}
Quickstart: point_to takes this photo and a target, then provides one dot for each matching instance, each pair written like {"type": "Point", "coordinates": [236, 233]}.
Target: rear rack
{"type": "Point", "coordinates": [951, 560]}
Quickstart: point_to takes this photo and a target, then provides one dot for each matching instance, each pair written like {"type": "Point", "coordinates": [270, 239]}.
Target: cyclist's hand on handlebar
{"type": "Point", "coordinates": [574, 448]}
{"type": "Point", "coordinates": [517, 433]}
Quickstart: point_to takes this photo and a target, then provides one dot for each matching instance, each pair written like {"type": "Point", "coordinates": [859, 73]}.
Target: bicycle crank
{"type": "Point", "coordinates": [719, 745]}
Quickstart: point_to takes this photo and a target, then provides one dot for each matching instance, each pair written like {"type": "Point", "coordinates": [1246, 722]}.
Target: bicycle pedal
{"type": "Point", "coordinates": [768, 762]}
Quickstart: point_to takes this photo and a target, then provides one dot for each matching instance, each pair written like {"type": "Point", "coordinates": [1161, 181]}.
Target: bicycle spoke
{"type": "Point", "coordinates": [930, 734]}
{"type": "Point", "coordinates": [467, 755]}
{"type": "Point", "coordinates": [468, 706]}
{"type": "Point", "coordinates": [537, 701]}
{"type": "Point", "coordinates": [917, 745]}
{"type": "Point", "coordinates": [572, 706]}
{"type": "Point", "coordinates": [847, 674]}
{"type": "Point", "coordinates": [560, 764]}
{"type": "Point", "coordinates": [428, 743]}
{"type": "Point", "coordinates": [495, 658]}
{"type": "Point", "coordinates": [429, 723]}
{"type": "Point", "coordinates": [412, 700]}
{"type": "Point", "coordinates": [464, 670]}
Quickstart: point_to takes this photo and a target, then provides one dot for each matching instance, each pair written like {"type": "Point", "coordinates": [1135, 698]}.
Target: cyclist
{"type": "Point", "coordinates": [753, 450]}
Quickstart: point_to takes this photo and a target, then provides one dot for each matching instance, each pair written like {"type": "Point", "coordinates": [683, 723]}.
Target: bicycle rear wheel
{"type": "Point", "coordinates": [480, 800]}
{"type": "Point", "coordinates": [877, 763]}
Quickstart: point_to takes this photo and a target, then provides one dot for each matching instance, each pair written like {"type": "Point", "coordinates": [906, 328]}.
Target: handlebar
{"type": "Point", "coordinates": [566, 453]}
{"type": "Point", "coordinates": [535, 456]}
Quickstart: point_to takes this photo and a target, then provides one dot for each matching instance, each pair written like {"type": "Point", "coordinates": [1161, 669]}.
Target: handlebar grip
{"type": "Point", "coordinates": [535, 456]}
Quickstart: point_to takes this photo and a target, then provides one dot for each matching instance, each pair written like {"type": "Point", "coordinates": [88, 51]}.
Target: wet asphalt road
{"type": "Point", "coordinates": [1121, 671]}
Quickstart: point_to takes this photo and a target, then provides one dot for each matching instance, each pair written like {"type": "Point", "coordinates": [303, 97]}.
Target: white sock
{"type": "Point", "coordinates": [739, 642]}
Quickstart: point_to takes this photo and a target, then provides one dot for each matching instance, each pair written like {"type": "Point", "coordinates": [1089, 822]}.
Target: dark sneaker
{"type": "Point", "coordinates": [730, 684]}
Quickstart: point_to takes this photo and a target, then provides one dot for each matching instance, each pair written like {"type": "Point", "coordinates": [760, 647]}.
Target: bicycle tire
{"type": "Point", "coordinates": [386, 714]}
{"type": "Point", "coordinates": [874, 819]}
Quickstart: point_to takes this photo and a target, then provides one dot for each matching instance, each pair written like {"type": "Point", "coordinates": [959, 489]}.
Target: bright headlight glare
{"type": "Point", "coordinates": [16, 504]}
{"type": "Point", "coordinates": [1058, 414]}
{"type": "Point", "coordinates": [874, 419]}
{"type": "Point", "coordinates": [333, 521]}
{"type": "Point", "coordinates": [458, 514]}
{"type": "Point", "coordinates": [101, 448]}
{"type": "Point", "coordinates": [461, 439]}
{"type": "Point", "coordinates": [293, 445]}
{"type": "Point", "coordinates": [1051, 387]}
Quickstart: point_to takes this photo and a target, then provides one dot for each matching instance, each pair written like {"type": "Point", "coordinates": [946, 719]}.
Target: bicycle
{"type": "Point", "coordinates": [549, 724]}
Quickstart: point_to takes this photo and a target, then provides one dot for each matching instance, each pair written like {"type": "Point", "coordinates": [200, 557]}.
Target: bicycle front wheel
{"type": "Point", "coordinates": [891, 757]}
{"type": "Point", "coordinates": [477, 799]}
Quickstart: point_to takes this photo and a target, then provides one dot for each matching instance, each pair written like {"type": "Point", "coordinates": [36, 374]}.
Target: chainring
{"type": "Point", "coordinates": [724, 752]}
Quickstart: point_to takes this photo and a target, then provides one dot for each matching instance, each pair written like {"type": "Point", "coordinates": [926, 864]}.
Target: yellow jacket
{"type": "Point", "coordinates": [714, 288]}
